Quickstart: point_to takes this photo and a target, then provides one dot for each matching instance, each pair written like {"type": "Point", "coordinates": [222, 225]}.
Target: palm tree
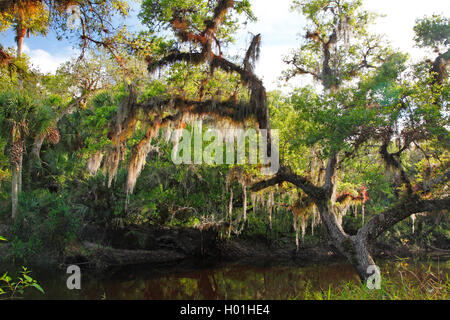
{"type": "Point", "coordinates": [26, 16]}
{"type": "Point", "coordinates": [23, 117]}
{"type": "Point", "coordinates": [17, 112]}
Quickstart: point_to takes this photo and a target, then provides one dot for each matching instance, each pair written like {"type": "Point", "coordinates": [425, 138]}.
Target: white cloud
{"type": "Point", "coordinates": [45, 61]}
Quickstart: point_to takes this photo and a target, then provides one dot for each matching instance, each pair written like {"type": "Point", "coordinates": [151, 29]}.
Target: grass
{"type": "Point", "coordinates": [402, 282]}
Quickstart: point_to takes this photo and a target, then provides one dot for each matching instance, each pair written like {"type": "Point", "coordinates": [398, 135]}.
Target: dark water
{"type": "Point", "coordinates": [219, 282]}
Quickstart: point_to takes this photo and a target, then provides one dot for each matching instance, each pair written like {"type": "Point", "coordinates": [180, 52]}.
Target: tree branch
{"type": "Point", "coordinates": [329, 175]}
{"type": "Point", "coordinates": [412, 205]}
{"type": "Point", "coordinates": [286, 175]}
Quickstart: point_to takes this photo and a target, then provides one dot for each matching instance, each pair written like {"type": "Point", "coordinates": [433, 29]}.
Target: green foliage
{"type": "Point", "coordinates": [10, 288]}
{"type": "Point", "coordinates": [97, 119]}
{"type": "Point", "coordinates": [23, 111]}
{"type": "Point", "coordinates": [432, 31]}
{"type": "Point", "coordinates": [325, 14]}
{"type": "Point", "coordinates": [16, 109]}
{"type": "Point", "coordinates": [400, 283]}
{"type": "Point", "coordinates": [158, 15]}
{"type": "Point", "coordinates": [47, 223]}
{"type": "Point", "coordinates": [286, 114]}
{"type": "Point", "coordinates": [370, 95]}
{"type": "Point", "coordinates": [31, 15]}
{"type": "Point", "coordinates": [337, 41]}
{"type": "Point", "coordinates": [102, 205]}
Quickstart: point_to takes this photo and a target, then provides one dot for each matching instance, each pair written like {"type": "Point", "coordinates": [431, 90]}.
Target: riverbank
{"type": "Point", "coordinates": [101, 248]}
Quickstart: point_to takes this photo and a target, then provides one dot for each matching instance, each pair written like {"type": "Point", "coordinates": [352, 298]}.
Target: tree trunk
{"type": "Point", "coordinates": [16, 186]}
{"type": "Point", "coordinates": [16, 158]}
{"type": "Point", "coordinates": [297, 242]}
{"type": "Point", "coordinates": [245, 203]}
{"type": "Point", "coordinates": [354, 248]}
{"type": "Point", "coordinates": [37, 145]}
{"type": "Point", "coordinates": [361, 258]}
{"type": "Point", "coordinates": [16, 183]}
{"type": "Point", "coordinates": [363, 212]}
{"type": "Point", "coordinates": [270, 219]}
{"type": "Point", "coordinates": [20, 38]}
{"type": "Point", "coordinates": [334, 229]}
{"type": "Point", "coordinates": [19, 182]}
{"type": "Point", "coordinates": [14, 190]}
{"type": "Point", "coordinates": [230, 212]}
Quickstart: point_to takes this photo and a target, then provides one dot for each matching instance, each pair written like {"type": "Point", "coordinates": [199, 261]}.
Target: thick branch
{"type": "Point", "coordinates": [228, 109]}
{"type": "Point", "coordinates": [384, 221]}
{"type": "Point", "coordinates": [330, 174]}
{"type": "Point", "coordinates": [189, 57]}
{"type": "Point", "coordinates": [285, 175]}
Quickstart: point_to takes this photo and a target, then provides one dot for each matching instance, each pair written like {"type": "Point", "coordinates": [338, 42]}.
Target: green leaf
{"type": "Point", "coordinates": [38, 287]}
{"type": "Point", "coordinates": [2, 239]}
{"type": "Point", "coordinates": [30, 279]}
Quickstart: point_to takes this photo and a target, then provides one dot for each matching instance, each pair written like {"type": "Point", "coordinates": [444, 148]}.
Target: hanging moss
{"type": "Point", "coordinates": [94, 162]}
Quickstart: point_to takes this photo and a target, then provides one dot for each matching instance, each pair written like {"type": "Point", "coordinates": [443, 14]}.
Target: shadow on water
{"type": "Point", "coordinates": [206, 282]}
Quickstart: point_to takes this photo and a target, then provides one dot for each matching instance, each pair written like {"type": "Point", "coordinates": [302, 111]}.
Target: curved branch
{"type": "Point", "coordinates": [412, 205]}
{"type": "Point", "coordinates": [286, 175]}
{"type": "Point", "coordinates": [190, 57]}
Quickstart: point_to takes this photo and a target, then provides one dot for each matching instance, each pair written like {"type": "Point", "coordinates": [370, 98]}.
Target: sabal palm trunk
{"type": "Point", "coordinates": [20, 36]}
{"type": "Point", "coordinates": [19, 182]}
{"type": "Point", "coordinates": [14, 190]}
{"type": "Point", "coordinates": [16, 168]}
{"type": "Point", "coordinates": [16, 155]}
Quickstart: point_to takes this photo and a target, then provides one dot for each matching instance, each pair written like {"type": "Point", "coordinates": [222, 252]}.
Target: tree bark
{"type": "Point", "coordinates": [14, 190]}
{"type": "Point", "coordinates": [360, 256]}
{"type": "Point", "coordinates": [19, 180]}
{"type": "Point", "coordinates": [37, 145]}
{"type": "Point", "coordinates": [16, 158]}
{"type": "Point", "coordinates": [21, 32]}
{"type": "Point", "coordinates": [245, 203]}
{"type": "Point", "coordinates": [16, 185]}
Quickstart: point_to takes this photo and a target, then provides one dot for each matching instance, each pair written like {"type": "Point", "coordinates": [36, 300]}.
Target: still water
{"type": "Point", "coordinates": [206, 282]}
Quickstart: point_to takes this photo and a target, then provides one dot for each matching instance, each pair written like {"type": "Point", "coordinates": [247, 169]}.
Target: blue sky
{"type": "Point", "coordinates": [279, 27]}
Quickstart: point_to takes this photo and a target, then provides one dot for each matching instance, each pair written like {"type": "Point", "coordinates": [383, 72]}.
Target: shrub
{"type": "Point", "coordinates": [46, 223]}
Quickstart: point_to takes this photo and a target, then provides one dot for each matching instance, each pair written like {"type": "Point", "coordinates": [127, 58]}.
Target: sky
{"type": "Point", "coordinates": [280, 29]}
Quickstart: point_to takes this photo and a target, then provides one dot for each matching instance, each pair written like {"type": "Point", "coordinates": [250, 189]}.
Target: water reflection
{"type": "Point", "coordinates": [228, 282]}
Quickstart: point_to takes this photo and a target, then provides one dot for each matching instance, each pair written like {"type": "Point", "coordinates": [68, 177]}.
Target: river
{"type": "Point", "coordinates": [232, 281]}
